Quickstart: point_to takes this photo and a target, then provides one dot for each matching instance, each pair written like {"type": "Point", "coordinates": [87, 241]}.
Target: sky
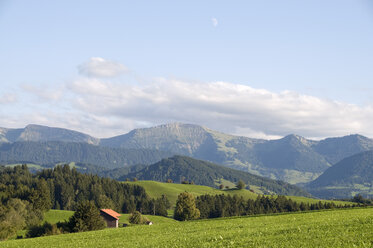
{"type": "Point", "coordinates": [262, 69]}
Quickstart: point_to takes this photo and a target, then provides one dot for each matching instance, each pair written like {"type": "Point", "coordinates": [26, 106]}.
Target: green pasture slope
{"type": "Point", "coordinates": [53, 216]}
{"type": "Point", "coordinates": [336, 228]}
{"type": "Point", "coordinates": [172, 190]}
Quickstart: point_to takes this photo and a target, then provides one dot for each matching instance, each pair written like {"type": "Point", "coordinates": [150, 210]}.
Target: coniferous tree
{"type": "Point", "coordinates": [86, 218]}
{"type": "Point", "coordinates": [186, 207]}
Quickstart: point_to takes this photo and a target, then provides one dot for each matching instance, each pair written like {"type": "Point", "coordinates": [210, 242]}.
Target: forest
{"type": "Point", "coordinates": [24, 196]}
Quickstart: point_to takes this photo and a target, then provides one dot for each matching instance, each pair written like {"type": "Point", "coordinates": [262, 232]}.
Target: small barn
{"type": "Point", "coordinates": [110, 216]}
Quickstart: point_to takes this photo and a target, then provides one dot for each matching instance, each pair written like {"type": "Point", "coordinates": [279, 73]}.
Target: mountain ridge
{"type": "Point", "coordinates": [350, 176]}
{"type": "Point", "coordinates": [292, 158]}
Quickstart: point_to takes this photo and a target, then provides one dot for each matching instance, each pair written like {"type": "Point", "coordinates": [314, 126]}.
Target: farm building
{"type": "Point", "coordinates": [111, 217]}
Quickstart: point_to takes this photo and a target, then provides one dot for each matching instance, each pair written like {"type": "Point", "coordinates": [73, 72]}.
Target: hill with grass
{"type": "Point", "coordinates": [338, 228]}
{"type": "Point", "coordinates": [351, 176]}
{"type": "Point", "coordinates": [182, 168]}
{"type": "Point", "coordinates": [172, 190]}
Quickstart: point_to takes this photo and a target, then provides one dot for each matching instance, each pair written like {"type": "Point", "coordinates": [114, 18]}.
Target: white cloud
{"type": "Point", "coordinates": [224, 106]}
{"type": "Point", "coordinates": [99, 67]}
{"type": "Point", "coordinates": [8, 98]}
{"type": "Point", "coordinates": [44, 93]}
{"type": "Point", "coordinates": [214, 22]}
{"type": "Point", "coordinates": [105, 108]}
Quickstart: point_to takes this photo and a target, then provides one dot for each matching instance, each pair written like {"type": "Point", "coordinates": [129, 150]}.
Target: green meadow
{"type": "Point", "coordinates": [172, 190]}
{"type": "Point", "coordinates": [333, 228]}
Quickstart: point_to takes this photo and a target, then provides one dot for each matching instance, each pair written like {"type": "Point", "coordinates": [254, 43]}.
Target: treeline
{"type": "Point", "coordinates": [25, 196]}
{"type": "Point", "coordinates": [214, 206]}
{"type": "Point", "coordinates": [55, 151]}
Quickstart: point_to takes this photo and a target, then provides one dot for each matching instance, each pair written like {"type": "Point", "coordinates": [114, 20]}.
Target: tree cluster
{"type": "Point", "coordinates": [25, 196]}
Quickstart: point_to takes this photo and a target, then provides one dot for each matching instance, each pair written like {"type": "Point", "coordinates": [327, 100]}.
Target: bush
{"type": "Point", "coordinates": [240, 185]}
{"type": "Point", "coordinates": [137, 218]}
{"type": "Point", "coordinates": [43, 230]}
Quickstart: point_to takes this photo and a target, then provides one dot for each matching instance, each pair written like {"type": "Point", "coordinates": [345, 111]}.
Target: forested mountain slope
{"type": "Point", "coordinates": [351, 176]}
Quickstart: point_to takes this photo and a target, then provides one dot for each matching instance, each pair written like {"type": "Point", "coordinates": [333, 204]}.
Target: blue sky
{"type": "Point", "coordinates": [255, 68]}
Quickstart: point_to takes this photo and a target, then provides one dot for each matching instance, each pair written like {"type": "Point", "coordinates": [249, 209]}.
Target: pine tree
{"type": "Point", "coordinates": [186, 207]}
{"type": "Point", "coordinates": [86, 218]}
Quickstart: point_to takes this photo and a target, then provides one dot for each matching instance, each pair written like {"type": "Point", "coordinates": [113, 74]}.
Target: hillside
{"type": "Point", "coordinates": [172, 190]}
{"type": "Point", "coordinates": [336, 149]}
{"type": "Point", "coordinates": [338, 228]}
{"type": "Point", "coordinates": [54, 152]}
{"type": "Point", "coordinates": [180, 168]}
{"type": "Point", "coordinates": [43, 133]}
{"type": "Point", "coordinates": [292, 159]}
{"type": "Point", "coordinates": [347, 178]}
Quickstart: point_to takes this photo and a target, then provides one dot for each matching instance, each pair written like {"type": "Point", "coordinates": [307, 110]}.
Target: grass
{"type": "Point", "coordinates": [172, 190]}
{"type": "Point", "coordinates": [155, 219]}
{"type": "Point", "coordinates": [337, 228]}
{"type": "Point", "coordinates": [53, 216]}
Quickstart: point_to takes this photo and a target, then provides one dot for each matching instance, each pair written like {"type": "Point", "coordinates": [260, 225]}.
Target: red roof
{"type": "Point", "coordinates": [112, 213]}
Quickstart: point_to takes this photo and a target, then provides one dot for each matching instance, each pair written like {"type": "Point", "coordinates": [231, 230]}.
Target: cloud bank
{"type": "Point", "coordinates": [103, 107]}
{"type": "Point", "coordinates": [224, 106]}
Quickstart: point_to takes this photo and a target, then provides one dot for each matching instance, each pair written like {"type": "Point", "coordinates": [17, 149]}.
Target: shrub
{"type": "Point", "coordinates": [43, 230]}
{"type": "Point", "coordinates": [240, 185]}
{"type": "Point", "coordinates": [137, 218]}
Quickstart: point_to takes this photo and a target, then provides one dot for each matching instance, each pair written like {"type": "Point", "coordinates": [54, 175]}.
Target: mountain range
{"type": "Point", "coordinates": [293, 158]}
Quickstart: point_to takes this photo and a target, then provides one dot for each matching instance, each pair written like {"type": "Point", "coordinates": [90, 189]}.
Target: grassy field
{"type": "Point", "coordinates": [337, 228]}
{"type": "Point", "coordinates": [53, 216]}
{"type": "Point", "coordinates": [172, 190]}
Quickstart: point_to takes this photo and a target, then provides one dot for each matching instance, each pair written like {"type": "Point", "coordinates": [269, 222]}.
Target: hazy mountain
{"type": "Point", "coordinates": [177, 138]}
{"type": "Point", "coordinates": [55, 151]}
{"type": "Point", "coordinates": [179, 168]}
{"type": "Point", "coordinates": [335, 149]}
{"type": "Point", "coordinates": [346, 178]}
{"type": "Point", "coordinates": [43, 133]}
{"type": "Point", "coordinates": [293, 158]}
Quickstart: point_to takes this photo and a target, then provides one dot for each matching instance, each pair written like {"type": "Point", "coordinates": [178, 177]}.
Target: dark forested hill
{"type": "Point", "coordinates": [55, 152]}
{"type": "Point", "coordinates": [180, 168]}
{"type": "Point", "coordinates": [348, 177]}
